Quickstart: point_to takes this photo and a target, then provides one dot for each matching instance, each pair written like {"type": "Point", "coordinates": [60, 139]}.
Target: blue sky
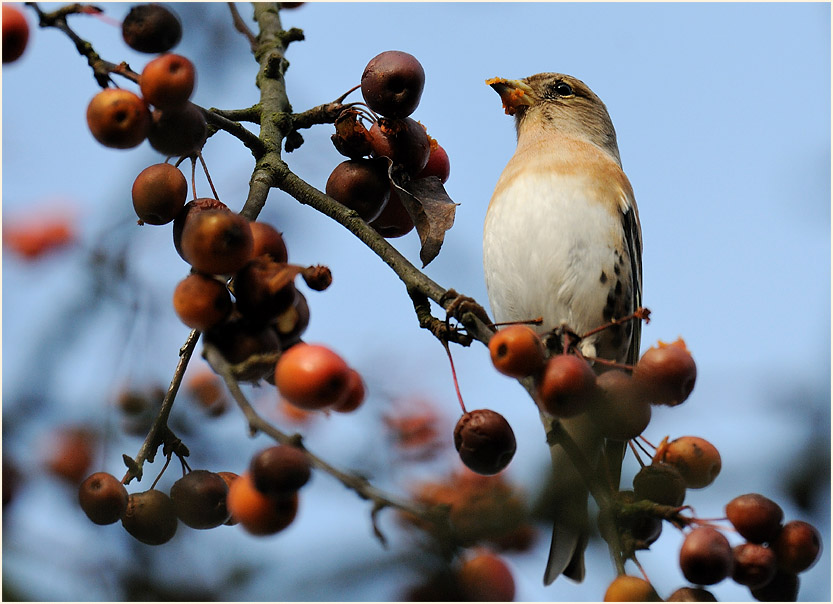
{"type": "Point", "coordinates": [723, 117]}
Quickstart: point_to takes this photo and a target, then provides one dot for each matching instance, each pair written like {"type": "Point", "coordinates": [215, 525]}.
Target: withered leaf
{"type": "Point", "coordinates": [429, 206]}
{"type": "Point", "coordinates": [351, 137]}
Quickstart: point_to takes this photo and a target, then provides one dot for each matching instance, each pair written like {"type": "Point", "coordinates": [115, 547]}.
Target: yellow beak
{"type": "Point", "coordinates": [513, 93]}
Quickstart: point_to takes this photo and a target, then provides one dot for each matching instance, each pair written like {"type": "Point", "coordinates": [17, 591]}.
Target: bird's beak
{"type": "Point", "coordinates": [513, 93]}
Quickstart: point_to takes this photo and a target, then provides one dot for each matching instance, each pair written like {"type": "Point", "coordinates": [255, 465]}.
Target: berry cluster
{"type": "Point", "coordinates": [391, 86]}
{"type": "Point", "coordinates": [264, 499]}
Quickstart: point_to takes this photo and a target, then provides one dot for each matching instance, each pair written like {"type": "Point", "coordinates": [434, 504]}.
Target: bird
{"type": "Point", "coordinates": [562, 241]}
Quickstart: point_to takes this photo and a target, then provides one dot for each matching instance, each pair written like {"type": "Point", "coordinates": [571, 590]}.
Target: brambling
{"type": "Point", "coordinates": [562, 241]}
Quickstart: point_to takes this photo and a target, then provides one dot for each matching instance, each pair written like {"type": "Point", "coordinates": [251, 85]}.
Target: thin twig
{"type": "Point", "coordinates": [241, 26]}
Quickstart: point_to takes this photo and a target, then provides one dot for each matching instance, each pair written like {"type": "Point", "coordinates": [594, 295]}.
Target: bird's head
{"type": "Point", "coordinates": [559, 102]}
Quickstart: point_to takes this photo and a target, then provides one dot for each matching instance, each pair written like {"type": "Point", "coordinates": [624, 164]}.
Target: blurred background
{"type": "Point", "coordinates": [723, 118]}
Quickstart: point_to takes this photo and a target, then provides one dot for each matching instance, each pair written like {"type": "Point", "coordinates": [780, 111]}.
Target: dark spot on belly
{"type": "Point", "coordinates": [618, 289]}
{"type": "Point", "coordinates": [603, 278]}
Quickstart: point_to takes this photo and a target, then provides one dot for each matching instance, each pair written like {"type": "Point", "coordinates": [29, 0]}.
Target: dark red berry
{"type": "Point", "coordinates": [782, 588]}
{"type": "Point", "coordinates": [150, 517]}
{"type": "Point", "coordinates": [403, 141]}
{"type": "Point", "coordinates": [103, 498]}
{"type": "Point", "coordinates": [567, 386]}
{"type": "Point", "coordinates": [280, 470]}
{"type": "Point", "coordinates": [151, 28]}
{"type": "Point", "coordinates": [178, 131]}
{"type": "Point", "coordinates": [755, 517]}
{"type": "Point", "coordinates": [485, 441]}
{"type": "Point", "coordinates": [660, 483]}
{"type": "Point", "coordinates": [666, 373]}
{"type": "Point", "coordinates": [361, 185]}
{"type": "Point", "coordinates": [394, 221]}
{"type": "Point", "coordinates": [392, 83]}
{"type": "Point", "coordinates": [619, 411]}
{"type": "Point", "coordinates": [199, 499]}
{"type": "Point", "coordinates": [438, 164]}
{"type": "Point", "coordinates": [797, 546]}
{"type": "Point", "coordinates": [754, 565]}
{"type": "Point", "coordinates": [706, 556]}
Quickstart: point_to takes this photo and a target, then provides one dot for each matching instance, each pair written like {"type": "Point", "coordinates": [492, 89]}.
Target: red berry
{"type": "Point", "coordinates": [660, 483]}
{"type": "Point", "coordinates": [117, 118]}
{"type": "Point", "coordinates": [567, 386]}
{"type": "Point", "coordinates": [264, 288]}
{"type": "Point", "coordinates": [159, 194]}
{"type": "Point", "coordinates": [268, 240]}
{"type": "Point", "coordinates": [754, 565]}
{"type": "Point", "coordinates": [103, 498]}
{"type": "Point", "coordinates": [706, 556]}
{"type": "Point", "coordinates": [355, 393]}
{"type": "Point", "coordinates": [691, 594]}
{"type": "Point", "coordinates": [199, 499]}
{"type": "Point", "coordinates": [438, 164]}
{"type": "Point", "coordinates": [361, 185]}
{"type": "Point", "coordinates": [619, 411]}
{"type": "Point", "coordinates": [625, 588]}
{"type": "Point", "coordinates": [258, 513]}
{"type": "Point", "coordinates": [755, 517]}
{"type": "Point", "coordinates": [192, 208]}
{"type": "Point", "coordinates": [178, 131]}
{"type": "Point", "coordinates": [517, 351]}
{"type": "Point", "coordinates": [403, 141]}
{"type": "Point", "coordinates": [666, 373]}
{"type": "Point", "coordinates": [797, 546]}
{"type": "Point", "coordinates": [485, 441]}
{"type": "Point", "coordinates": [312, 376]}
{"type": "Point", "coordinates": [168, 81]}
{"type": "Point", "coordinates": [201, 302]}
{"type": "Point", "coordinates": [485, 577]}
{"type": "Point", "coordinates": [392, 83]}
{"type": "Point", "coordinates": [394, 221]}
{"type": "Point", "coordinates": [782, 588]}
{"type": "Point", "coordinates": [150, 517]}
{"type": "Point", "coordinates": [15, 33]}
{"type": "Point", "coordinates": [217, 242]}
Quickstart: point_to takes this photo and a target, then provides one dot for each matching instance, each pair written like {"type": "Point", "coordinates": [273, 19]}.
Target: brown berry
{"type": "Point", "coordinates": [159, 194]}
{"type": "Point", "coordinates": [660, 483]}
{"type": "Point", "coordinates": [438, 164]}
{"type": "Point", "coordinates": [117, 118]}
{"type": "Point", "coordinates": [754, 565]}
{"type": "Point", "coordinates": [192, 208]}
{"type": "Point", "coordinates": [392, 83]}
{"type": "Point", "coordinates": [258, 513]}
{"type": "Point", "coordinates": [797, 546]}
{"type": "Point", "coordinates": [268, 240]}
{"type": "Point", "coordinates": [229, 477]}
{"type": "Point", "coordinates": [618, 410]}
{"type": "Point", "coordinates": [238, 340]}
{"type": "Point", "coordinates": [782, 588]}
{"type": "Point", "coordinates": [706, 556]}
{"type": "Point", "coordinates": [691, 594]}
{"type": "Point", "coordinates": [264, 288]}
{"type": "Point", "coordinates": [217, 242]}
{"type": "Point", "coordinates": [151, 28]}
{"type": "Point", "coordinates": [755, 517]}
{"type": "Point", "coordinates": [178, 131]}
{"type": "Point", "coordinates": [485, 441]}
{"type": "Point", "coordinates": [201, 302]}
{"type": "Point", "coordinates": [696, 458]}
{"type": "Point", "coordinates": [362, 185]}
{"type": "Point", "coordinates": [150, 517]}
{"type": "Point", "coordinates": [517, 351]}
{"type": "Point", "coordinates": [625, 588]}
{"type": "Point", "coordinates": [404, 141]}
{"type": "Point", "coordinates": [280, 470]}
{"type": "Point", "coordinates": [15, 33]}
{"type": "Point", "coordinates": [566, 386]}
{"type": "Point", "coordinates": [199, 499]}
{"type": "Point", "coordinates": [103, 498]}
{"type": "Point", "coordinates": [666, 373]}
{"type": "Point", "coordinates": [394, 221]}
{"type": "Point", "coordinates": [311, 376]}
{"type": "Point", "coordinates": [168, 81]}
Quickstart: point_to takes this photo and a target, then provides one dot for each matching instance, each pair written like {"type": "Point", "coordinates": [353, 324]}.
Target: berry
{"type": "Point", "coordinates": [150, 517]}
{"type": "Point", "coordinates": [118, 118]}
{"type": "Point", "coordinates": [217, 242]}
{"type": "Point", "coordinates": [438, 164]}
{"type": "Point", "coordinates": [178, 131]}
{"type": "Point", "coordinates": [238, 339]}
{"type": "Point", "coordinates": [797, 546]}
{"type": "Point", "coordinates": [280, 470]}
{"type": "Point", "coordinates": [258, 513]}
{"type": "Point", "coordinates": [311, 376]}
{"type": "Point", "coordinates": [660, 483]}
{"type": "Point", "coordinates": [70, 453]}
{"type": "Point", "coordinates": [264, 288]}
{"type": "Point", "coordinates": [292, 323]}
{"type": "Point", "coordinates": [666, 373]}
{"type": "Point", "coordinates": [403, 141]}
{"type": "Point", "coordinates": [625, 588]}
{"type": "Point", "coordinates": [706, 556]}
{"type": "Point", "coordinates": [754, 565]}
{"type": "Point", "coordinates": [691, 594]}
{"type": "Point", "coordinates": [159, 194]}
{"type": "Point", "coordinates": [782, 588]}
{"type": "Point", "coordinates": [392, 83]}
{"type": "Point", "coordinates": [229, 477]}
{"type": "Point", "coordinates": [268, 240]}
{"type": "Point", "coordinates": [199, 499]}
{"type": "Point", "coordinates": [485, 577]}
{"type": "Point", "coordinates": [168, 81]}
{"type": "Point", "coordinates": [201, 302]}
{"type": "Point", "coordinates": [566, 386]}
{"type": "Point", "coordinates": [361, 185]}
{"type": "Point", "coordinates": [15, 33]}
{"type": "Point", "coordinates": [151, 28]}
{"type": "Point", "coordinates": [192, 208]}
{"type": "Point", "coordinates": [351, 137]}
{"type": "Point", "coordinates": [618, 410]}
{"type": "Point", "coordinates": [103, 498]}
{"type": "Point", "coordinates": [355, 393]}
{"type": "Point", "coordinates": [517, 351]}
{"type": "Point", "coordinates": [485, 441]}
{"type": "Point", "coordinates": [696, 458]}
{"type": "Point", "coordinates": [394, 221]}
{"type": "Point", "coordinates": [755, 517]}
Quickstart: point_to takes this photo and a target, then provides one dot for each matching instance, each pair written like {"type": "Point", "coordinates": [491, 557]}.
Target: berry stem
{"type": "Point", "coordinates": [454, 375]}
{"type": "Point", "coordinates": [636, 453]}
{"type": "Point", "coordinates": [537, 321]}
{"type": "Point", "coordinates": [207, 175]}
{"type": "Point", "coordinates": [346, 94]}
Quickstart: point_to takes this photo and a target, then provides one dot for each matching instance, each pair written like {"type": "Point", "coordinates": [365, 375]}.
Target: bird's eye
{"type": "Point", "coordinates": [563, 89]}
